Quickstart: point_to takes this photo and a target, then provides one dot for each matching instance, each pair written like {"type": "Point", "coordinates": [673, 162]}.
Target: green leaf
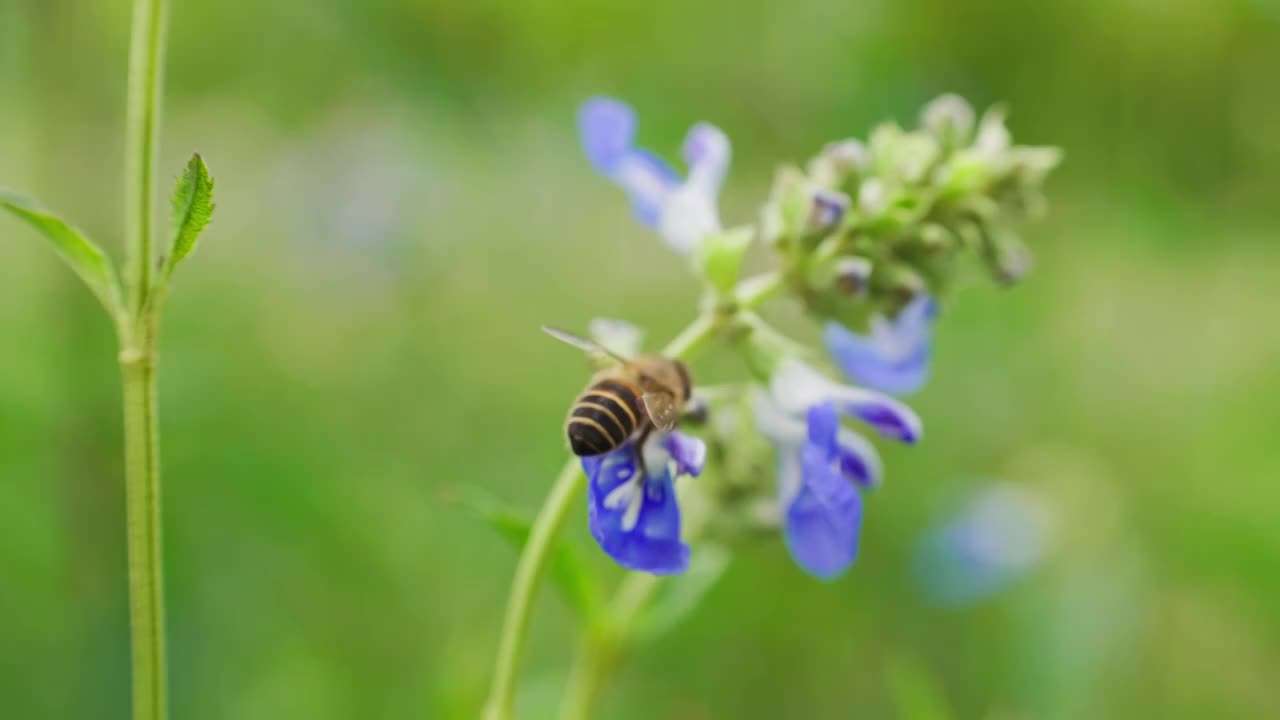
{"type": "Point", "coordinates": [192, 209]}
{"type": "Point", "coordinates": [85, 258]}
{"type": "Point", "coordinates": [570, 572]}
{"type": "Point", "coordinates": [915, 691]}
{"type": "Point", "coordinates": [682, 593]}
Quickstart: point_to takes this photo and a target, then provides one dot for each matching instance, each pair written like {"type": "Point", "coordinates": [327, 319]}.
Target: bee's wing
{"type": "Point", "coordinates": [662, 409]}
{"type": "Point", "coordinates": [581, 343]}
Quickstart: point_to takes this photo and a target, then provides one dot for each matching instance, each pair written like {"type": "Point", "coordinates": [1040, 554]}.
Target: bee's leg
{"type": "Point", "coordinates": [642, 437]}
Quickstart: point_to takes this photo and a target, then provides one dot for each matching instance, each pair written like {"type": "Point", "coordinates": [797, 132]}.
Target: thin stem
{"type": "Point", "coordinates": [533, 560]}
{"type": "Point", "coordinates": [591, 667]}
{"type": "Point", "coordinates": [142, 123]}
{"type": "Point", "coordinates": [142, 501]}
{"type": "Point", "coordinates": [529, 574]}
{"type": "Point", "coordinates": [138, 366]}
{"type": "Point", "coordinates": [752, 292]}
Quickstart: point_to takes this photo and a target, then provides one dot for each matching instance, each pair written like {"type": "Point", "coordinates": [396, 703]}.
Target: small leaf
{"type": "Point", "coordinates": [192, 209]}
{"type": "Point", "coordinates": [84, 257]}
{"type": "Point", "coordinates": [570, 572]}
{"type": "Point", "coordinates": [681, 594]}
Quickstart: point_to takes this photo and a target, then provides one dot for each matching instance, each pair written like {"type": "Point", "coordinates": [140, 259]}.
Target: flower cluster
{"type": "Point", "coordinates": [868, 236]}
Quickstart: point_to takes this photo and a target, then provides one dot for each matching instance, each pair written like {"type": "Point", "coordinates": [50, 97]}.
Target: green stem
{"type": "Point", "coordinates": [142, 502]}
{"type": "Point", "coordinates": [142, 123]}
{"type": "Point", "coordinates": [138, 366]}
{"type": "Point", "coordinates": [594, 663]}
{"type": "Point", "coordinates": [529, 574]}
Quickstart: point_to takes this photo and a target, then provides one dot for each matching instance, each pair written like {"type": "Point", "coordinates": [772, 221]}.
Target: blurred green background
{"type": "Point", "coordinates": [402, 202]}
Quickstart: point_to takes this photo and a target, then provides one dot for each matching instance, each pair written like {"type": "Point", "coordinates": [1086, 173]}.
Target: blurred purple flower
{"type": "Point", "coordinates": [682, 210]}
{"type": "Point", "coordinates": [633, 512]}
{"type": "Point", "coordinates": [894, 356]}
{"type": "Point", "coordinates": [1001, 533]}
{"type": "Point", "coordinates": [821, 464]}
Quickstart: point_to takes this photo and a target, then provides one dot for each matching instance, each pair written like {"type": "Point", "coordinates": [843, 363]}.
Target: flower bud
{"type": "Point", "coordinates": [1006, 255]}
{"type": "Point", "coordinates": [949, 118]}
{"type": "Point", "coordinates": [853, 275]}
{"type": "Point", "coordinates": [965, 174]}
{"type": "Point", "coordinates": [935, 239]}
{"type": "Point", "coordinates": [873, 199]}
{"type": "Point", "coordinates": [826, 211]}
{"type": "Point", "coordinates": [837, 161]}
{"type": "Point", "coordinates": [1032, 164]}
{"type": "Point", "coordinates": [902, 283]}
{"type": "Point", "coordinates": [993, 137]}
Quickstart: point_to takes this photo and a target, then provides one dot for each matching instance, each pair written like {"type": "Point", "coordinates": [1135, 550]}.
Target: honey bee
{"type": "Point", "coordinates": [626, 400]}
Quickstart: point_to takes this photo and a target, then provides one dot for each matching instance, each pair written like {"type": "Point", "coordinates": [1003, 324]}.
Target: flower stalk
{"type": "Point", "coordinates": [138, 366]}
{"type": "Point", "coordinates": [867, 238]}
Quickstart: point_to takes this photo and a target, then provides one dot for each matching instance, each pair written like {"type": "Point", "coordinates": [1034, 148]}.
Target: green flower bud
{"type": "Point", "coordinates": [967, 173]}
{"type": "Point", "coordinates": [1006, 255]}
{"type": "Point", "coordinates": [993, 137]}
{"type": "Point", "coordinates": [935, 239]}
{"type": "Point", "coordinates": [950, 119]}
{"type": "Point", "coordinates": [719, 256]}
{"type": "Point", "coordinates": [837, 161]}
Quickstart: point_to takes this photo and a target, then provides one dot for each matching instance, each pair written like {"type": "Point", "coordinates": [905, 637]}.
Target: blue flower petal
{"type": "Point", "coordinates": [858, 459]}
{"type": "Point", "coordinates": [823, 423]}
{"type": "Point", "coordinates": [690, 453]}
{"type": "Point", "coordinates": [862, 360]}
{"type": "Point", "coordinates": [824, 519]}
{"type": "Point", "coordinates": [889, 417]}
{"type": "Point", "coordinates": [648, 182]}
{"type": "Point", "coordinates": [653, 543]}
{"type": "Point", "coordinates": [894, 357]}
{"type": "Point", "coordinates": [707, 152]}
{"type": "Point", "coordinates": [916, 318]}
{"type": "Point", "coordinates": [607, 128]}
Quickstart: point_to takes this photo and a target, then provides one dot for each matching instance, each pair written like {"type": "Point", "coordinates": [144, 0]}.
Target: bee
{"type": "Point", "coordinates": [623, 401]}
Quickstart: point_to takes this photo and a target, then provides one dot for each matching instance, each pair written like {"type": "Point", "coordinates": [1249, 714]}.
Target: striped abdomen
{"type": "Point", "coordinates": [604, 417]}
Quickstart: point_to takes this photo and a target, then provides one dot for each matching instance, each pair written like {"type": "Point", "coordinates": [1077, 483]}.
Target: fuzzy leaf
{"type": "Point", "coordinates": [85, 258]}
{"type": "Point", "coordinates": [192, 208]}
{"type": "Point", "coordinates": [570, 572]}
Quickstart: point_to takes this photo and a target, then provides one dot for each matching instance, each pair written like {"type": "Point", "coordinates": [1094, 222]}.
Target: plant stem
{"type": "Point", "coordinates": [142, 123]}
{"type": "Point", "coordinates": [529, 574]}
{"type": "Point", "coordinates": [537, 552]}
{"type": "Point", "coordinates": [142, 501]}
{"type": "Point", "coordinates": [138, 366]}
{"type": "Point", "coordinates": [592, 665]}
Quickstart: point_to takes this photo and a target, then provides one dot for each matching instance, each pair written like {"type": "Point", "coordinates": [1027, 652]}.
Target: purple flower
{"type": "Point", "coordinates": [1001, 534]}
{"type": "Point", "coordinates": [633, 512]}
{"type": "Point", "coordinates": [822, 465]}
{"type": "Point", "coordinates": [682, 210]}
{"type": "Point", "coordinates": [894, 356]}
